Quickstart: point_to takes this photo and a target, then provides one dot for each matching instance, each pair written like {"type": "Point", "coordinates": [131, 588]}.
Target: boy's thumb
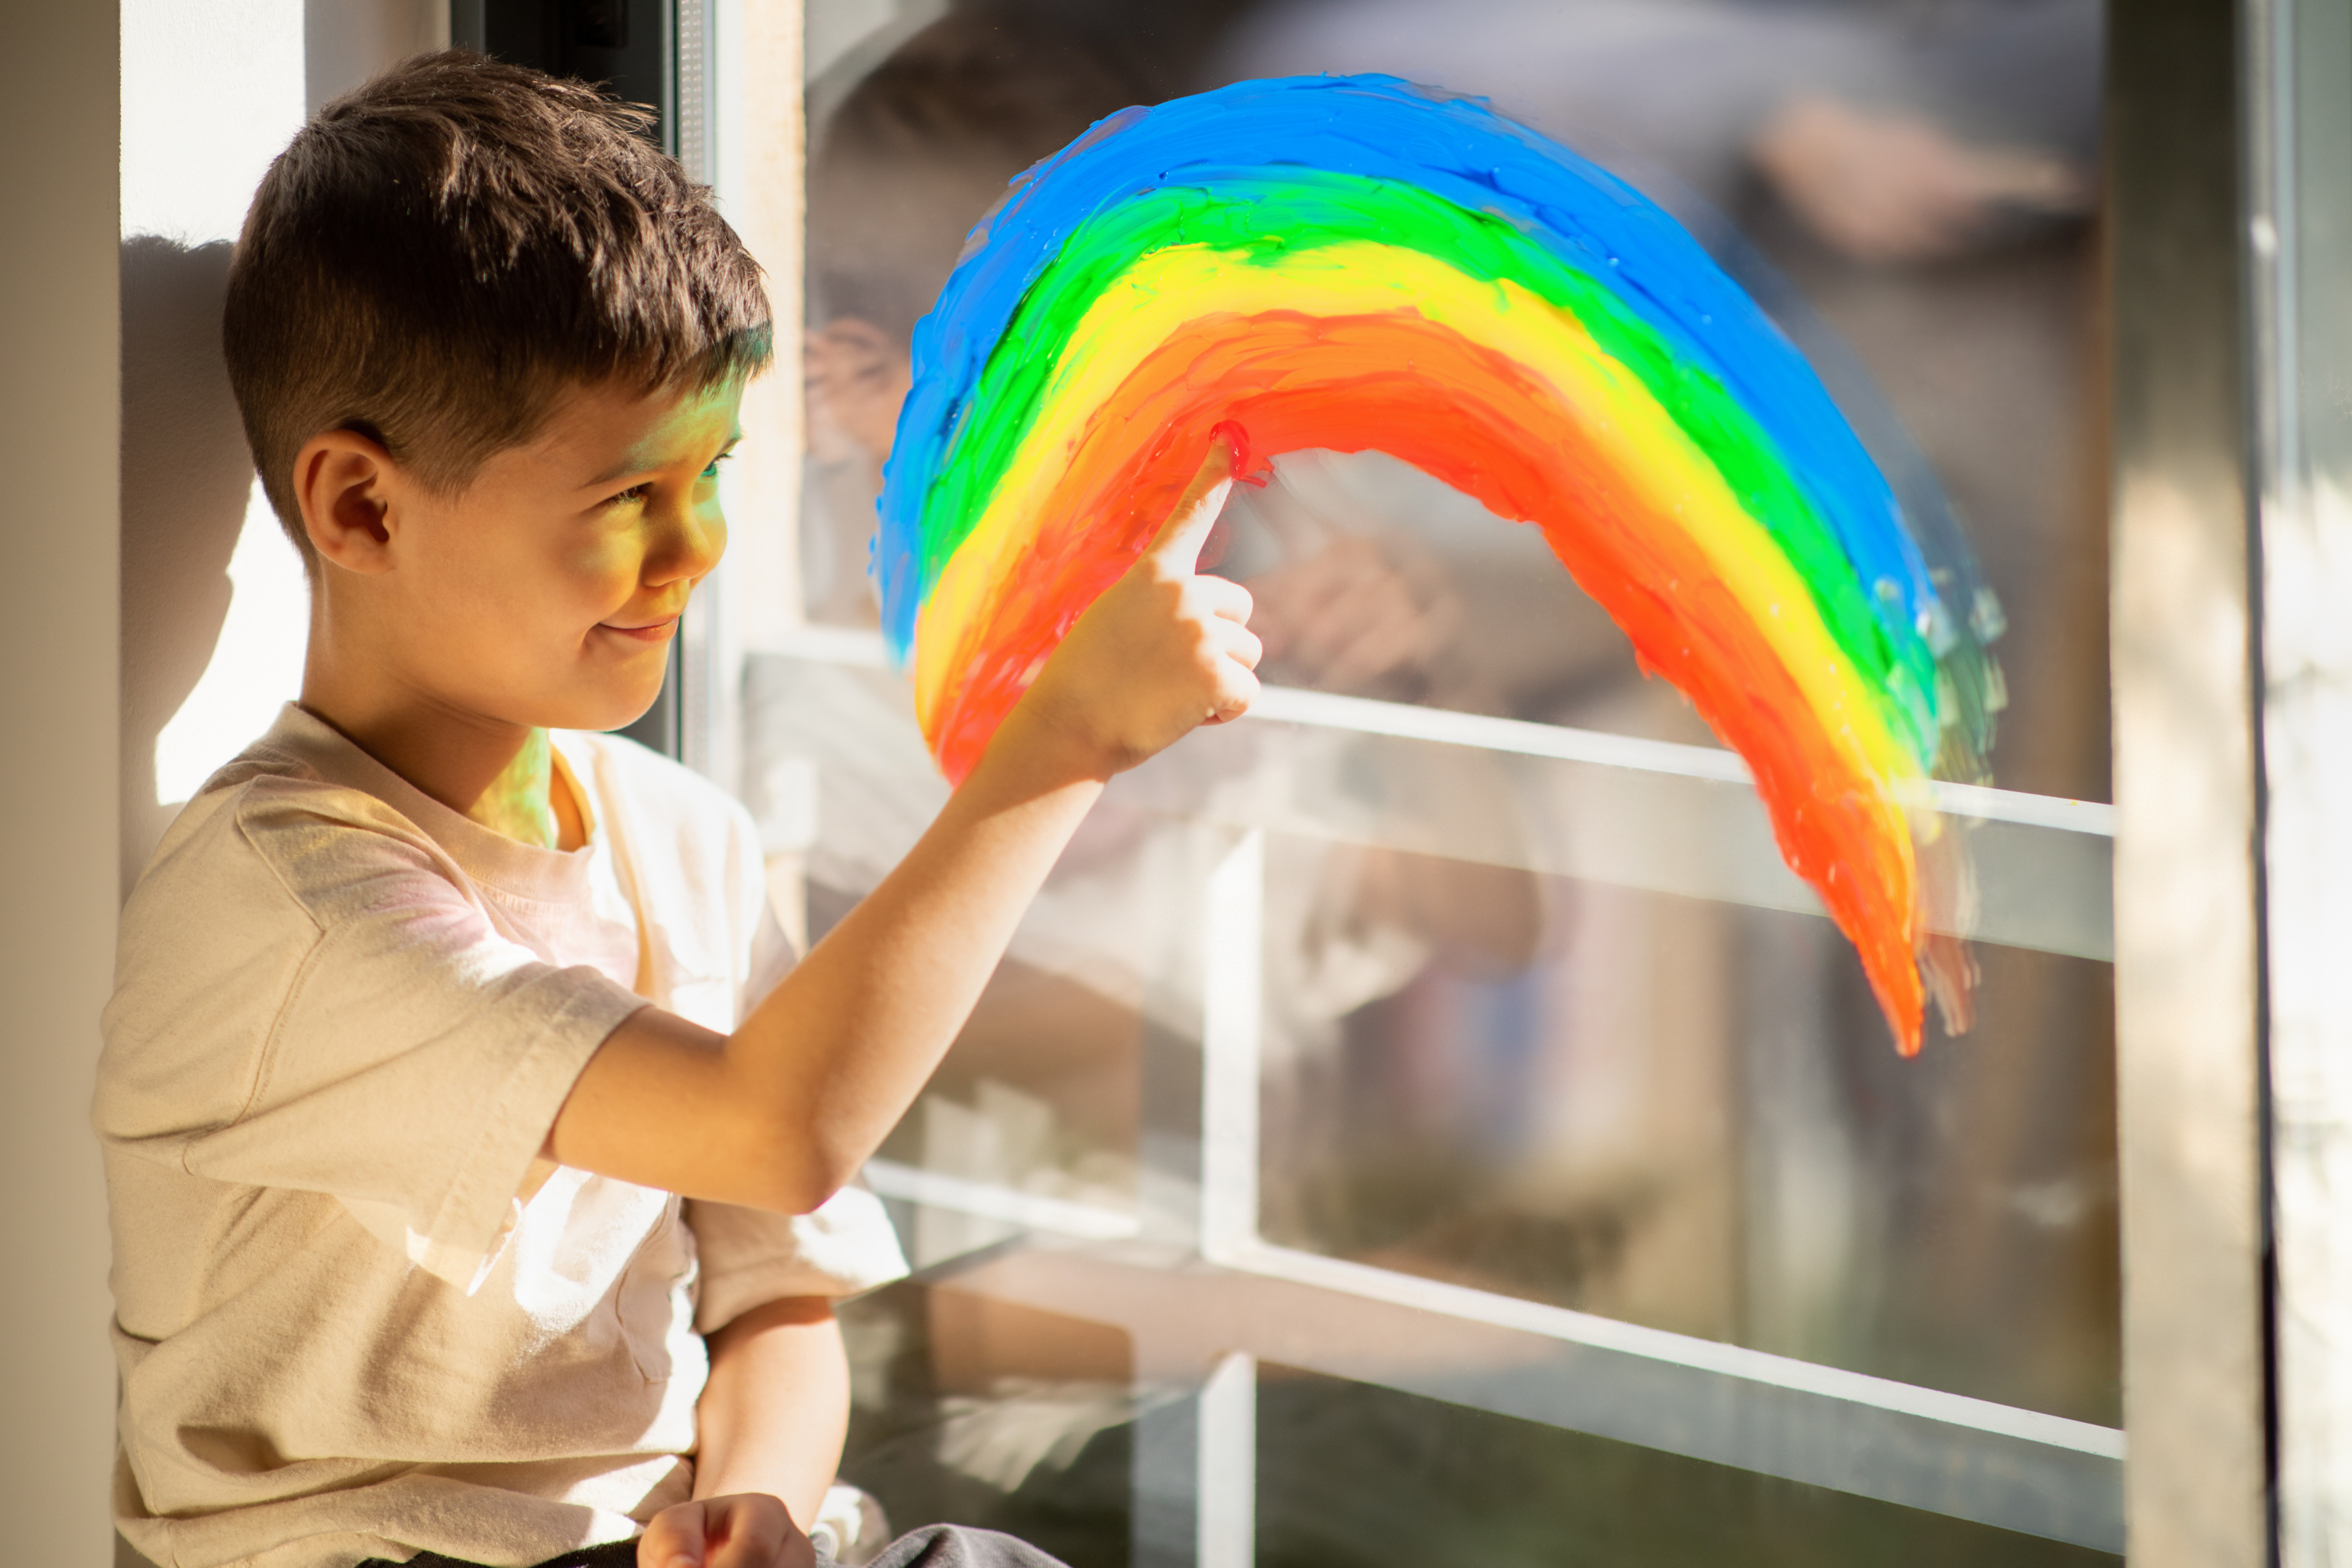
{"type": "Point", "coordinates": [1195, 513]}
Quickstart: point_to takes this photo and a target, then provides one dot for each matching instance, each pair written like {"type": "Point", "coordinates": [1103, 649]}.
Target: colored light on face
{"type": "Point", "coordinates": [1353, 264]}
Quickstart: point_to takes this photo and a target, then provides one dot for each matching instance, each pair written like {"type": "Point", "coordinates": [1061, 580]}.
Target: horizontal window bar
{"type": "Point", "coordinates": [1658, 1345]}
{"type": "Point", "coordinates": [1058, 1216]}
{"type": "Point", "coordinates": [1328, 710]}
{"type": "Point", "coordinates": [1965, 1459]}
{"type": "Point", "coordinates": [1518, 736]}
{"type": "Point", "coordinates": [1030, 1211]}
{"type": "Point", "coordinates": [1614, 809]}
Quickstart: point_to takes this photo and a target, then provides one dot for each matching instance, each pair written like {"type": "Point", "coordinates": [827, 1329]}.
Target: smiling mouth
{"type": "Point", "coordinates": [650, 631]}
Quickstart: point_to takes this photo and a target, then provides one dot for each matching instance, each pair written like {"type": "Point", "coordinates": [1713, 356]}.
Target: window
{"type": "Point", "coordinates": [1428, 1116]}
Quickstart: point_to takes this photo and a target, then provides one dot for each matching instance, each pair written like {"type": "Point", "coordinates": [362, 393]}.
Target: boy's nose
{"type": "Point", "coordinates": [689, 546]}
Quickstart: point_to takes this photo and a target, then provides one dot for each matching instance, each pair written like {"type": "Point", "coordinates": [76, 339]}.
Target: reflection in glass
{"type": "Point", "coordinates": [1684, 1114]}
{"type": "Point", "coordinates": [1674, 1108]}
{"type": "Point", "coordinates": [1025, 1421]}
{"type": "Point", "coordinates": [1352, 1475]}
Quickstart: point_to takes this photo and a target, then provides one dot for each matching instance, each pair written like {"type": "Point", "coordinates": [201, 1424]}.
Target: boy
{"type": "Point", "coordinates": [464, 1204]}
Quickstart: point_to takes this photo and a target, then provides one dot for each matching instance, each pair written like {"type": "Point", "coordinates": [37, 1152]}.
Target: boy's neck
{"type": "Point", "coordinates": [520, 802]}
{"type": "Point", "coordinates": [501, 776]}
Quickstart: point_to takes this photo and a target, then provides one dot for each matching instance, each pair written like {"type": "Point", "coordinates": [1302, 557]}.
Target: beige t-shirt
{"type": "Point", "coordinates": [355, 1314]}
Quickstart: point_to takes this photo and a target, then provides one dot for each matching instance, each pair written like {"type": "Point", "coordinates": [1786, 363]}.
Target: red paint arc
{"type": "Point", "coordinates": [1477, 421]}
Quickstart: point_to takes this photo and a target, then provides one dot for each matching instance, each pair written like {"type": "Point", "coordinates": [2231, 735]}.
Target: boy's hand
{"type": "Point", "coordinates": [1162, 650]}
{"type": "Point", "coordinates": [748, 1529]}
{"type": "Point", "coordinates": [784, 1111]}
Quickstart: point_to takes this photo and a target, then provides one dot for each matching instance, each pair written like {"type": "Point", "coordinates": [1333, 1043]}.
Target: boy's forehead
{"type": "Point", "coordinates": [606, 431]}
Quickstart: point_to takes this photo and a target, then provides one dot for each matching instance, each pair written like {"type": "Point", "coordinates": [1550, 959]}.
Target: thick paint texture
{"type": "Point", "coordinates": [1355, 263]}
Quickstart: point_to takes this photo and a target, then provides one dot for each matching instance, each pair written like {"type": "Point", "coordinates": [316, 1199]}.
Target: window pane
{"type": "Point", "coordinates": [1024, 1421]}
{"type": "Point", "coordinates": [1570, 1035]}
{"type": "Point", "coordinates": [1040, 1094]}
{"type": "Point", "coordinates": [1353, 1475]}
{"type": "Point", "coordinates": [1685, 1113]}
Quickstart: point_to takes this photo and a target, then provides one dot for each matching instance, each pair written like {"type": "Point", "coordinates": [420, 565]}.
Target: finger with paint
{"type": "Point", "coordinates": [1164, 648]}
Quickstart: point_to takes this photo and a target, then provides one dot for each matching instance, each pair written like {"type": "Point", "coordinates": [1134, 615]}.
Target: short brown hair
{"type": "Point", "coordinates": [440, 254]}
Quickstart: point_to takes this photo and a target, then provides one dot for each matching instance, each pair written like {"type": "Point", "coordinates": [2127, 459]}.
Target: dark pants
{"type": "Point", "coordinates": [933, 1546]}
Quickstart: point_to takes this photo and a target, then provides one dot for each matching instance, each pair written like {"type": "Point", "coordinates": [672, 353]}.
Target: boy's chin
{"type": "Point", "coordinates": [626, 715]}
{"type": "Point", "coordinates": [598, 711]}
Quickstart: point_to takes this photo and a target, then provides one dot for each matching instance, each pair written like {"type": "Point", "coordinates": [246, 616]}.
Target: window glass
{"type": "Point", "coordinates": [1350, 1475]}
{"type": "Point", "coordinates": [1555, 1031]}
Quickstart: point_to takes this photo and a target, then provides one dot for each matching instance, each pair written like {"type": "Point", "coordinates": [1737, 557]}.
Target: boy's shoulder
{"type": "Point", "coordinates": [304, 833]}
{"type": "Point", "coordinates": [304, 819]}
{"type": "Point", "coordinates": [275, 825]}
{"type": "Point", "coordinates": [270, 856]}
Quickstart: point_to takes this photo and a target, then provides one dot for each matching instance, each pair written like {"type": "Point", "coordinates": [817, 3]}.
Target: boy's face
{"type": "Point", "coordinates": [546, 593]}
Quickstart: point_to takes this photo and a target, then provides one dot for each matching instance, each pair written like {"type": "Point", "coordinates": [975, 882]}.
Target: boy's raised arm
{"type": "Point", "coordinates": [783, 1112]}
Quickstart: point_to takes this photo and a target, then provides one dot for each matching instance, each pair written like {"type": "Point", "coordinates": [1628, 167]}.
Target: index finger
{"type": "Point", "coordinates": [1195, 513]}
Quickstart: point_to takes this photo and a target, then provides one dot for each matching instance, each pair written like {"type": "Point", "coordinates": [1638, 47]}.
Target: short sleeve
{"type": "Point", "coordinates": [405, 1057]}
{"type": "Point", "coordinates": [753, 1256]}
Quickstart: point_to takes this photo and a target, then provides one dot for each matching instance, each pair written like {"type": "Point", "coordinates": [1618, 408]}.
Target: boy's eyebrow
{"type": "Point", "coordinates": [620, 471]}
{"type": "Point", "coordinates": [629, 466]}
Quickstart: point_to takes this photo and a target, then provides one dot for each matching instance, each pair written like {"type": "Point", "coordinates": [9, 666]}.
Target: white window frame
{"type": "Point", "coordinates": [2224, 979]}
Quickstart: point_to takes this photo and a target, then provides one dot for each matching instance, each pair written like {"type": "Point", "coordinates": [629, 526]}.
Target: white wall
{"type": "Point", "coordinates": [345, 42]}
{"type": "Point", "coordinates": [214, 606]}
{"type": "Point", "coordinates": [58, 413]}
{"type": "Point", "coordinates": [211, 92]}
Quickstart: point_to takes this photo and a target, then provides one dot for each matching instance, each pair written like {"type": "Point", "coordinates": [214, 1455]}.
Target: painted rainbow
{"type": "Point", "coordinates": [1354, 263]}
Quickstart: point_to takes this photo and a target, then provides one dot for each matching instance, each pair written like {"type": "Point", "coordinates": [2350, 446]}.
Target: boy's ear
{"type": "Point", "coordinates": [343, 482]}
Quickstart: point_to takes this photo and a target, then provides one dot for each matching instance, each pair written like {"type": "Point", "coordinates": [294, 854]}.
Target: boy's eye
{"type": "Point", "coordinates": [637, 494]}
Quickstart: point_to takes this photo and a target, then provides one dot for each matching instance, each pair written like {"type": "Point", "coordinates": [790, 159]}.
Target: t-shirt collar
{"type": "Point", "coordinates": [487, 855]}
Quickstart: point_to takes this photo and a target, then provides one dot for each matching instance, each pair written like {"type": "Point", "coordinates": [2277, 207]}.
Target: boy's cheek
{"type": "Point", "coordinates": [602, 557]}
{"type": "Point", "coordinates": [593, 585]}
